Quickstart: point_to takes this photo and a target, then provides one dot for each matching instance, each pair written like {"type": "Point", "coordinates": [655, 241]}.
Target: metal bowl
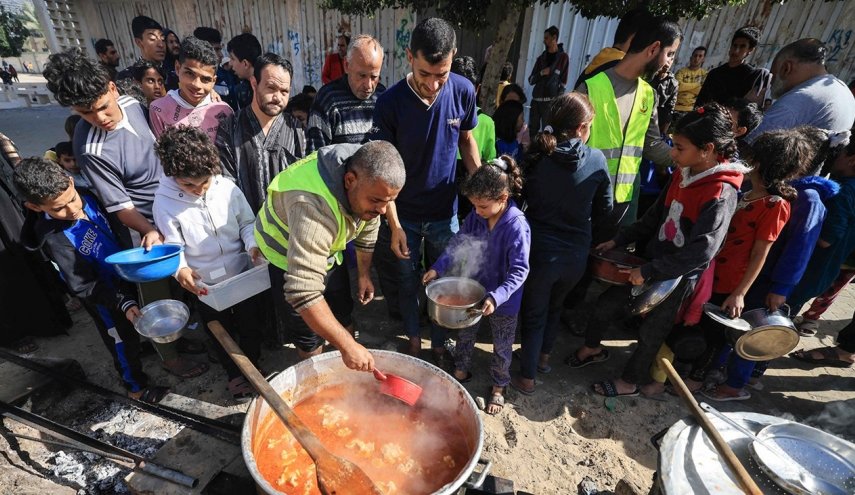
{"type": "Point", "coordinates": [163, 321]}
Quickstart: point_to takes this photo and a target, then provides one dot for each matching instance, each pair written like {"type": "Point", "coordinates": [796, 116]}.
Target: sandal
{"type": "Point", "coordinates": [240, 389]}
{"type": "Point", "coordinates": [190, 346]}
{"type": "Point", "coordinates": [609, 389]}
{"type": "Point", "coordinates": [496, 400]}
{"type": "Point", "coordinates": [573, 360]}
{"type": "Point", "coordinates": [151, 395]}
{"type": "Point", "coordinates": [830, 357]}
{"type": "Point", "coordinates": [186, 368]}
{"type": "Point", "coordinates": [718, 395]}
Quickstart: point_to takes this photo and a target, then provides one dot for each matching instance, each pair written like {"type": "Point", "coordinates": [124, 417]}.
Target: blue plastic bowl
{"type": "Point", "coordinates": [136, 265]}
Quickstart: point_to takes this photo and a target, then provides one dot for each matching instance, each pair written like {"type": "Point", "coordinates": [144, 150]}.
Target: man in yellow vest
{"type": "Point", "coordinates": [625, 126]}
{"type": "Point", "coordinates": [313, 209]}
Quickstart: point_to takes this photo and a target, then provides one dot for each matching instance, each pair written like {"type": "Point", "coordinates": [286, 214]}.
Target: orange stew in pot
{"type": "Point", "coordinates": [404, 450]}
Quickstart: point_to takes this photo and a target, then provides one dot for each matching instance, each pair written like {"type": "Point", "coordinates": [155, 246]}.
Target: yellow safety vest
{"type": "Point", "coordinates": [623, 151]}
{"type": "Point", "coordinates": [271, 233]}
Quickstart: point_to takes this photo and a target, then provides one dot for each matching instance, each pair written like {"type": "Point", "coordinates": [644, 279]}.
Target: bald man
{"type": "Point", "coordinates": [343, 109]}
{"type": "Point", "coordinates": [805, 93]}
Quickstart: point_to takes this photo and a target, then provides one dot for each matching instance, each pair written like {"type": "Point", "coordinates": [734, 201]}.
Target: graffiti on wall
{"type": "Point", "coordinates": [294, 43]}
{"type": "Point", "coordinates": [313, 62]}
{"type": "Point", "coordinates": [402, 39]}
{"type": "Point", "coordinates": [837, 44]}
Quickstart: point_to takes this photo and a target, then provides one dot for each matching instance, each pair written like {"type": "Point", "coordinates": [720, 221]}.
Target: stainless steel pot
{"type": "Point", "coordinates": [455, 317]}
{"type": "Point", "coordinates": [772, 335]}
{"type": "Point", "coordinates": [304, 378]}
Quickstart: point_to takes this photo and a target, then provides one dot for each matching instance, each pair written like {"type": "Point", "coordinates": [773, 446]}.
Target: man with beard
{"type": "Point", "coordinates": [626, 125]}
{"type": "Point", "coordinates": [805, 93]}
{"type": "Point", "coordinates": [342, 110]}
{"type": "Point", "coordinates": [428, 116]}
{"type": "Point", "coordinates": [108, 57]}
{"type": "Point", "coordinates": [148, 36]}
{"type": "Point", "coordinates": [315, 208]}
{"type": "Point", "coordinates": [260, 141]}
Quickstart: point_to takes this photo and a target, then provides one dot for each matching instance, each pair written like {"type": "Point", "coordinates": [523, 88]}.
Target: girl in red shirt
{"type": "Point", "coordinates": [761, 214]}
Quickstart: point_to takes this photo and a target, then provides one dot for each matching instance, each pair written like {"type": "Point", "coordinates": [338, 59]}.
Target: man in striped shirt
{"type": "Point", "coordinates": [343, 109]}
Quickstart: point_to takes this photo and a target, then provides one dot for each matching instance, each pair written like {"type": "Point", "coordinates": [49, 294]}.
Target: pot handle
{"type": "Point", "coordinates": [481, 476]}
{"type": "Point", "coordinates": [656, 439]}
{"type": "Point", "coordinates": [781, 307]}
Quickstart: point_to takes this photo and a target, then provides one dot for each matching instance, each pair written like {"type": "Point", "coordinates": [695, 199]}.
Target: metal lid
{"type": "Point", "coordinates": [766, 343]}
{"type": "Point", "coordinates": [720, 316]}
{"type": "Point", "coordinates": [688, 462]}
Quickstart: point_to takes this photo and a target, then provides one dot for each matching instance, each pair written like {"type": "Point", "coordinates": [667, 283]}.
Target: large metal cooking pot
{"type": "Point", "coordinates": [606, 267]}
{"type": "Point", "coordinates": [460, 316]}
{"type": "Point", "coordinates": [304, 378]}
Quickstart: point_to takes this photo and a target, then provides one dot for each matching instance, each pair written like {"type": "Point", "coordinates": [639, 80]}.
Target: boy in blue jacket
{"type": "Point", "coordinates": [72, 229]}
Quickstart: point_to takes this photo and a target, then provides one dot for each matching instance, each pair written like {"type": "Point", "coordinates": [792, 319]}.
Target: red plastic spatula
{"type": "Point", "coordinates": [398, 388]}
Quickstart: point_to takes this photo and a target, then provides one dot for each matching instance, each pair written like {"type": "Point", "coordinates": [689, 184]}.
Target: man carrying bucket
{"type": "Point", "coordinates": [313, 209]}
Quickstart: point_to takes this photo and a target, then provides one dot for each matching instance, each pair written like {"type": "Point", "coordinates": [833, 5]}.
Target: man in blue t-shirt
{"type": "Point", "coordinates": [428, 116]}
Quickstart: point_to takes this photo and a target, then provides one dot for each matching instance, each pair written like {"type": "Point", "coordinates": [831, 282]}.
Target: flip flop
{"type": "Point", "coordinates": [240, 389]}
{"type": "Point", "coordinates": [517, 354]}
{"type": "Point", "coordinates": [716, 396]}
{"type": "Point", "coordinates": [829, 357]}
{"type": "Point", "coordinates": [495, 400]}
{"type": "Point", "coordinates": [573, 360]}
{"type": "Point", "coordinates": [153, 394]}
{"type": "Point", "coordinates": [610, 390]}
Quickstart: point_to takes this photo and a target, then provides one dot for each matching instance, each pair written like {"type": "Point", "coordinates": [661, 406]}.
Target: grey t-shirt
{"type": "Point", "coordinates": [121, 164]}
{"type": "Point", "coordinates": [655, 148]}
{"type": "Point", "coordinates": [823, 101]}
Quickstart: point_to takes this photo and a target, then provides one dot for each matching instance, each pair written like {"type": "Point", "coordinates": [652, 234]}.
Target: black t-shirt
{"type": "Point", "coordinates": [726, 82]}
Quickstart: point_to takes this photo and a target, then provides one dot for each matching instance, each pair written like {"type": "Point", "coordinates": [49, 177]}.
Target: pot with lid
{"type": "Point", "coordinates": [758, 335]}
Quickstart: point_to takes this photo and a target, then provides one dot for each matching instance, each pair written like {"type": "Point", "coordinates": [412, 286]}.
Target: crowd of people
{"type": "Point", "coordinates": [738, 181]}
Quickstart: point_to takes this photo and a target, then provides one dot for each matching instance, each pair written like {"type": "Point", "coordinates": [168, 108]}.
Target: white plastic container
{"type": "Point", "coordinates": [231, 291]}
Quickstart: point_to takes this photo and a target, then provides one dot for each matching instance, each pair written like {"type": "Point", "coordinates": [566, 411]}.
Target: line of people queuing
{"type": "Point", "coordinates": [378, 168]}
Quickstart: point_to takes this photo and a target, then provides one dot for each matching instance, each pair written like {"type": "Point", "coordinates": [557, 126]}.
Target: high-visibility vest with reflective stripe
{"type": "Point", "coordinates": [272, 234]}
{"type": "Point", "coordinates": [622, 151]}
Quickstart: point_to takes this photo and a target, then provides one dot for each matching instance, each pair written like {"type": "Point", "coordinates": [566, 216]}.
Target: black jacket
{"type": "Point", "coordinates": [80, 274]}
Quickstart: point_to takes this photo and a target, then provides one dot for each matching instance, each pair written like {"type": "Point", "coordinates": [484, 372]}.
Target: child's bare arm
{"type": "Point", "coordinates": [735, 302]}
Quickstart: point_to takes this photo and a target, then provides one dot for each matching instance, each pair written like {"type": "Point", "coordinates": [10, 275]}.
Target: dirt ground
{"type": "Point", "coordinates": [546, 443]}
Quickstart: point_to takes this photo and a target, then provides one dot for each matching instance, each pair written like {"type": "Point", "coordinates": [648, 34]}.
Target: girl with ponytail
{"type": "Point", "coordinates": [567, 190]}
{"type": "Point", "coordinates": [491, 247]}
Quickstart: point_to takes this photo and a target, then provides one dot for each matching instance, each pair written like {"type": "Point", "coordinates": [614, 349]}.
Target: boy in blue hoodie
{"type": "Point", "coordinates": [73, 230]}
{"type": "Point", "coordinates": [493, 245]}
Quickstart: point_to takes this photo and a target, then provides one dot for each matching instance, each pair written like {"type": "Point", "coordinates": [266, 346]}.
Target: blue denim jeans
{"type": "Point", "coordinates": [434, 236]}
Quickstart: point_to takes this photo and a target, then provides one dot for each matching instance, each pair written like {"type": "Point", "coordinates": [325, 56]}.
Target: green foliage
{"type": "Point", "coordinates": [13, 33]}
{"type": "Point", "coordinates": [472, 14]}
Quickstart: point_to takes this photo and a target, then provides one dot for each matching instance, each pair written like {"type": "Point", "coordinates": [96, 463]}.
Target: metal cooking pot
{"type": "Point", "coordinates": [606, 267]}
{"type": "Point", "coordinates": [304, 378]}
{"type": "Point", "coordinates": [648, 295]}
{"type": "Point", "coordinates": [162, 321]}
{"type": "Point", "coordinates": [732, 328]}
{"type": "Point", "coordinates": [455, 317]}
{"type": "Point", "coordinates": [772, 335]}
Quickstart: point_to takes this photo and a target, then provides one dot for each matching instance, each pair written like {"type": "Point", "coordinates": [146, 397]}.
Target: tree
{"type": "Point", "coordinates": [472, 15]}
{"type": "Point", "coordinates": [13, 33]}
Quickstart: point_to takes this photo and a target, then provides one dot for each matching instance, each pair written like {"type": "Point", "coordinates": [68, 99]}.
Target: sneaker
{"type": "Point", "coordinates": [806, 326]}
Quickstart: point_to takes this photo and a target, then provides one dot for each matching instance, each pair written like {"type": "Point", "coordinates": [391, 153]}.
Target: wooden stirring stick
{"type": "Point", "coordinates": [336, 475]}
{"type": "Point", "coordinates": [747, 483]}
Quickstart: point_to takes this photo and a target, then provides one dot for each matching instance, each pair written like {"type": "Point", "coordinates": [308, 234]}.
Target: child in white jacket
{"type": "Point", "coordinates": [196, 207]}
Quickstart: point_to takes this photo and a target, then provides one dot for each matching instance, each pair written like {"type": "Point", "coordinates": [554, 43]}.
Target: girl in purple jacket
{"type": "Point", "coordinates": [492, 247]}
